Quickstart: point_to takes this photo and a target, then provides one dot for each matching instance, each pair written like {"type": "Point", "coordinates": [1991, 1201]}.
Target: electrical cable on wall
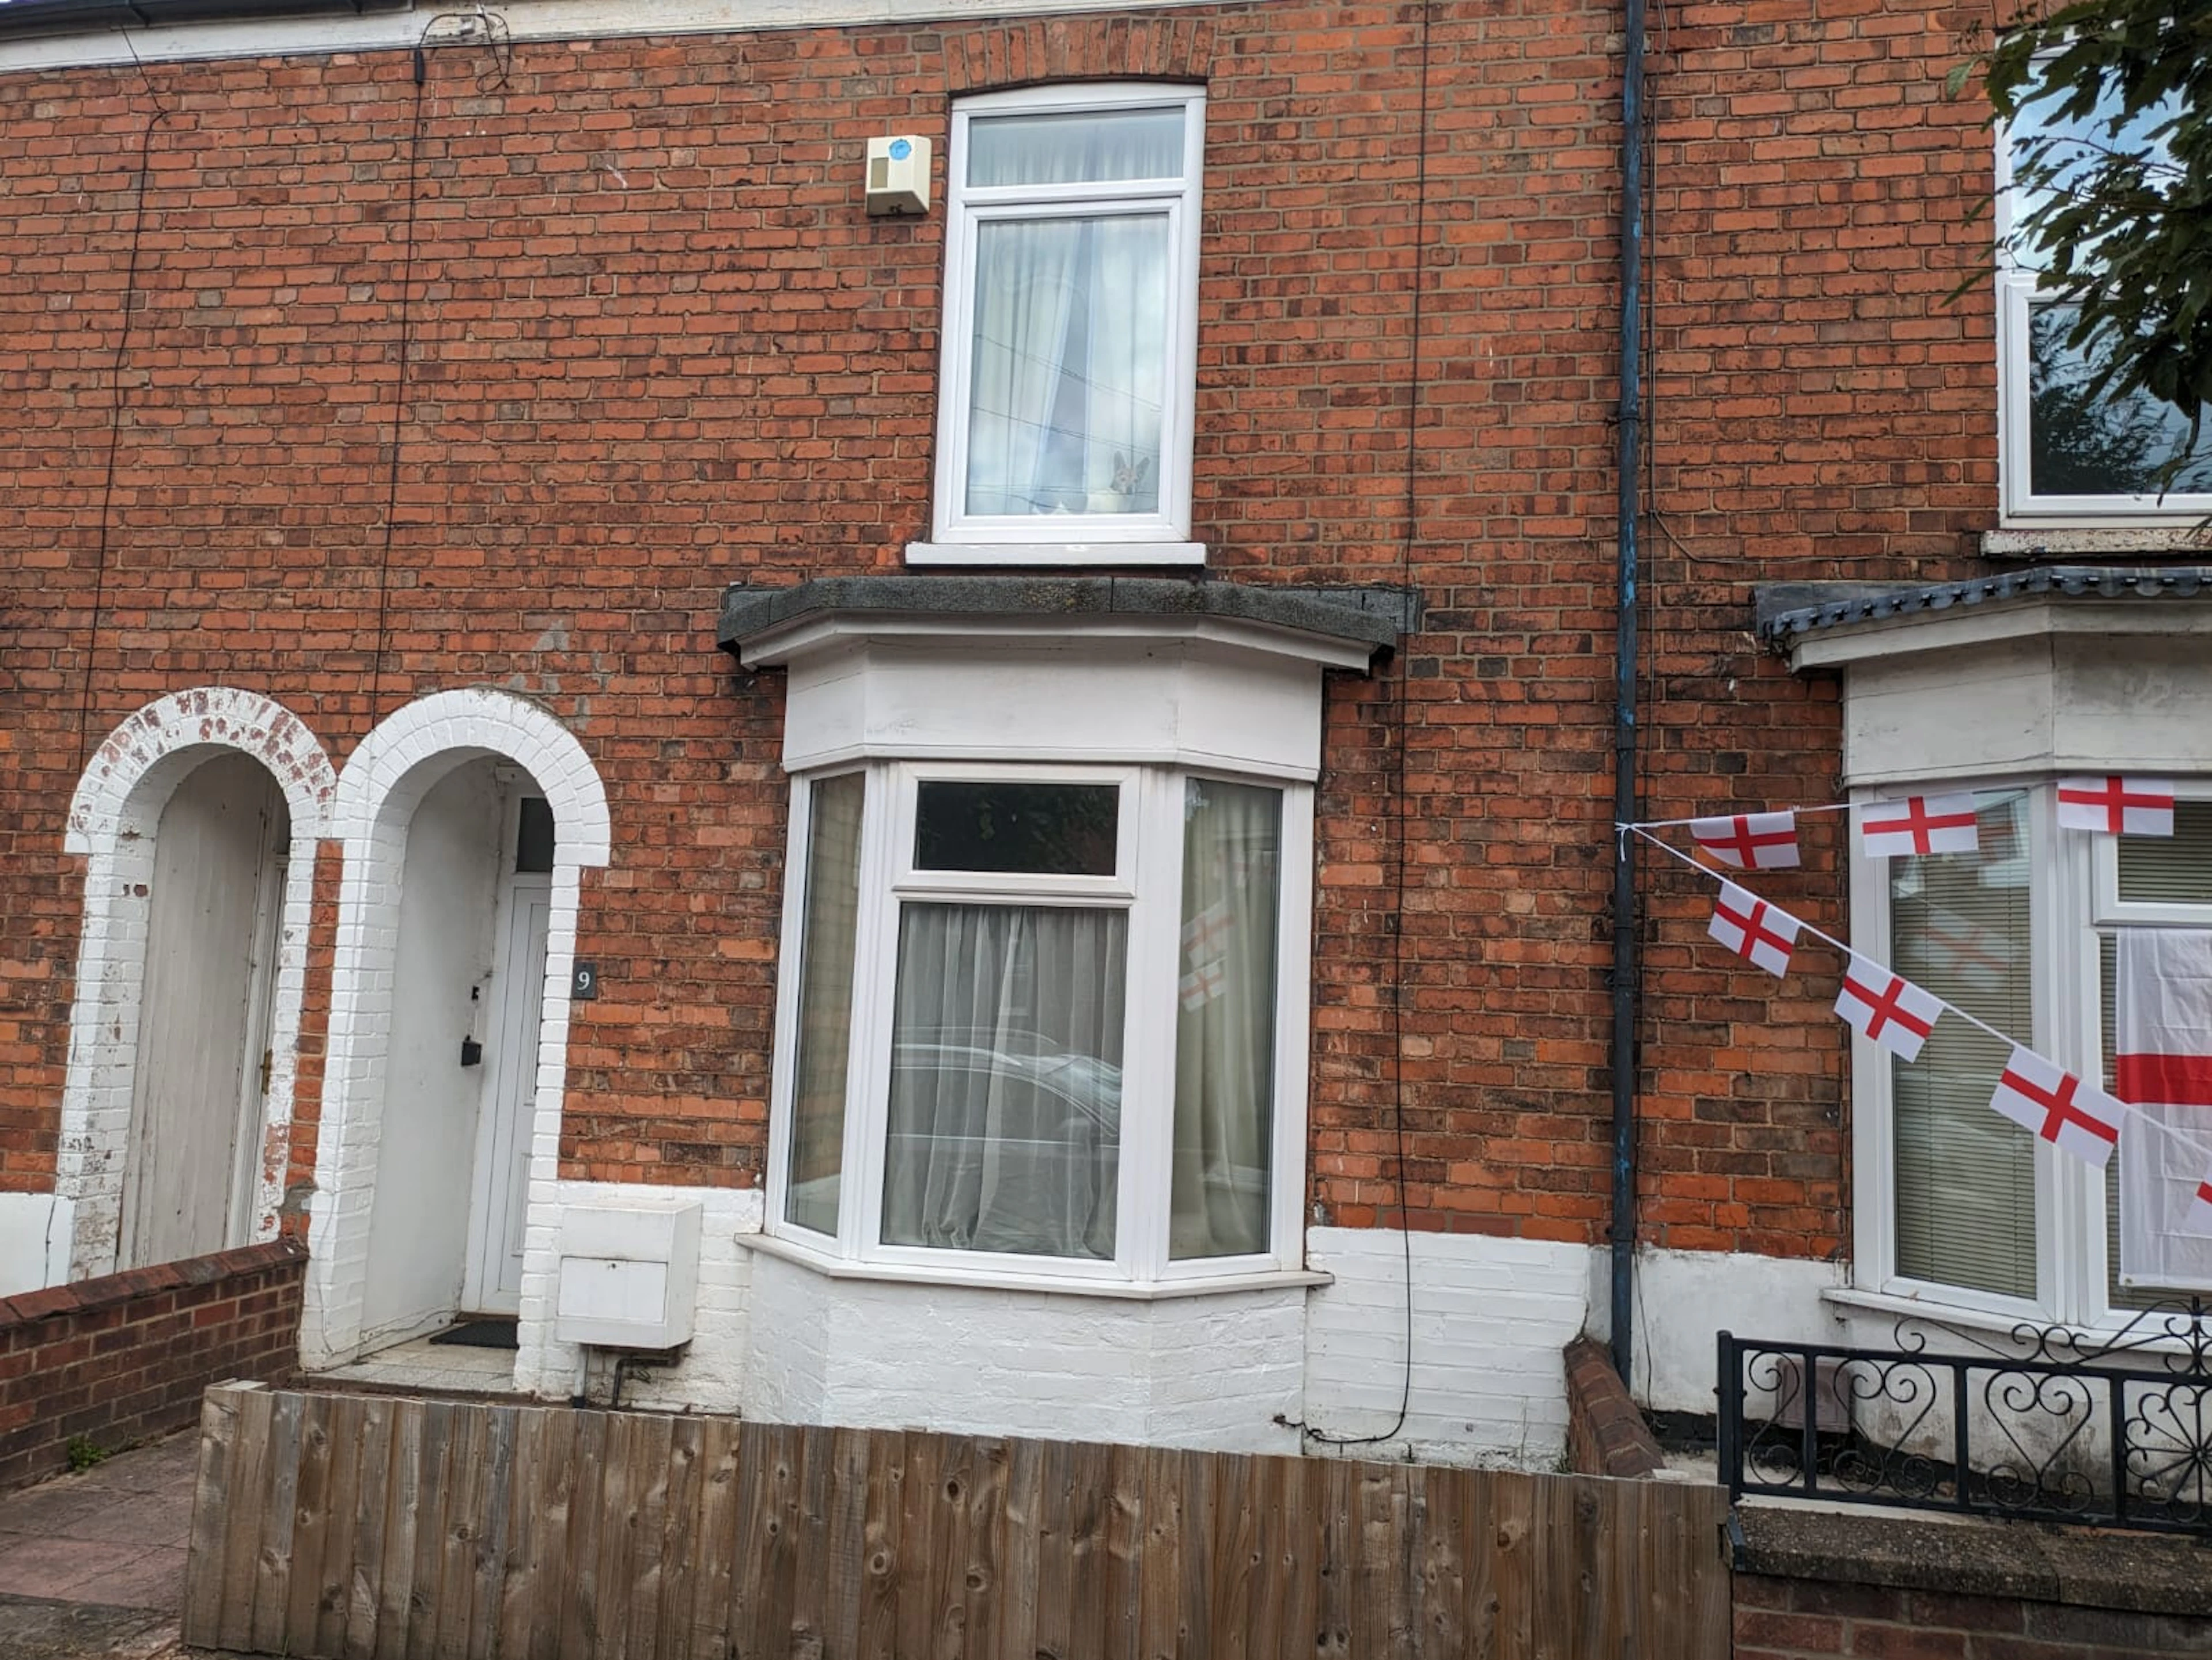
{"type": "Point", "coordinates": [1321, 1437]}
{"type": "Point", "coordinates": [446, 28]}
{"type": "Point", "coordinates": [115, 414]}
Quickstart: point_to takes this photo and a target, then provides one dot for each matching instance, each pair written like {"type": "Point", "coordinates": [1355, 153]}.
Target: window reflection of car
{"type": "Point", "coordinates": [1089, 1086]}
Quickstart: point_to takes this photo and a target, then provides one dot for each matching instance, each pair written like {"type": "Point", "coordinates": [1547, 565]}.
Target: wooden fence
{"type": "Point", "coordinates": [355, 1528]}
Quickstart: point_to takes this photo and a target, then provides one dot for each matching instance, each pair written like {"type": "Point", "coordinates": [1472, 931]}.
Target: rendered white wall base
{"type": "Point", "coordinates": [1685, 1298]}
{"type": "Point", "coordinates": [1210, 1371]}
{"type": "Point", "coordinates": [711, 1376]}
{"type": "Point", "coordinates": [1490, 1318]}
{"type": "Point", "coordinates": [35, 1241]}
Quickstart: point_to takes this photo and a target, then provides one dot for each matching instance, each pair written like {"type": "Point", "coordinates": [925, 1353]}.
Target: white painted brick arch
{"type": "Point", "coordinates": [113, 819]}
{"type": "Point", "coordinates": [382, 784]}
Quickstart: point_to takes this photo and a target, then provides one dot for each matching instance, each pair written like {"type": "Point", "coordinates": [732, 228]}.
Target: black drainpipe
{"type": "Point", "coordinates": [1624, 720]}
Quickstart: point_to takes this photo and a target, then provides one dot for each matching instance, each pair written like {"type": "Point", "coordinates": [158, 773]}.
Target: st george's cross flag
{"type": "Point", "coordinates": [2117, 806]}
{"type": "Point", "coordinates": [2043, 1097]}
{"type": "Point", "coordinates": [1917, 824]}
{"type": "Point", "coordinates": [1753, 929]}
{"type": "Point", "coordinates": [2162, 1066]}
{"type": "Point", "coordinates": [1887, 1008]}
{"type": "Point", "coordinates": [1749, 841]}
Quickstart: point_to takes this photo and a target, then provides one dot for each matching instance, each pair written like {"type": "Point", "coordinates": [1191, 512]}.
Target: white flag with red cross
{"type": "Point", "coordinates": [2117, 806]}
{"type": "Point", "coordinates": [2162, 1066]}
{"type": "Point", "coordinates": [2043, 1097]}
{"type": "Point", "coordinates": [1753, 929]}
{"type": "Point", "coordinates": [1887, 1008]}
{"type": "Point", "coordinates": [1919, 824]}
{"type": "Point", "coordinates": [1749, 841]}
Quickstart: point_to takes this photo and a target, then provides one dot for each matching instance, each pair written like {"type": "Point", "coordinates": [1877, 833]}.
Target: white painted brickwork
{"type": "Point", "coordinates": [384, 781]}
{"type": "Point", "coordinates": [1490, 1318]}
{"type": "Point", "coordinates": [1199, 1371]}
{"type": "Point", "coordinates": [113, 820]}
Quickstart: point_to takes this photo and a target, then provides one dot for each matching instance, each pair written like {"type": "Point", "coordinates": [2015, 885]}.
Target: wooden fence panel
{"type": "Point", "coordinates": [346, 1528]}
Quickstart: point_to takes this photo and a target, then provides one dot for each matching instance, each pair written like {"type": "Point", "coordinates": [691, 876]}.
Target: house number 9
{"type": "Point", "coordinates": [584, 983]}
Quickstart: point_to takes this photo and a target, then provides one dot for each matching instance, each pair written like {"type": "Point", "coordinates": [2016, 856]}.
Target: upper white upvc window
{"type": "Point", "coordinates": [2070, 455]}
{"type": "Point", "coordinates": [1071, 281]}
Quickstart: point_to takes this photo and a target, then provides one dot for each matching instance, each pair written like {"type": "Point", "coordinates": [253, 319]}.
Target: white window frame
{"type": "Point", "coordinates": [1147, 884]}
{"type": "Point", "coordinates": [1159, 538]}
{"type": "Point", "coordinates": [2073, 895]}
{"type": "Point", "coordinates": [2020, 507]}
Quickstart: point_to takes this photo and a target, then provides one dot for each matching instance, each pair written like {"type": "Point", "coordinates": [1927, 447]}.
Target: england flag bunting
{"type": "Point", "coordinates": [1749, 841]}
{"type": "Point", "coordinates": [1753, 929]}
{"type": "Point", "coordinates": [2040, 1096]}
{"type": "Point", "coordinates": [1887, 1008]}
{"type": "Point", "coordinates": [1918, 824]}
{"type": "Point", "coordinates": [2117, 806]}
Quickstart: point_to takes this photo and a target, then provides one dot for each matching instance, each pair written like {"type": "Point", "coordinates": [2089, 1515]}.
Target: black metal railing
{"type": "Point", "coordinates": [2102, 1429]}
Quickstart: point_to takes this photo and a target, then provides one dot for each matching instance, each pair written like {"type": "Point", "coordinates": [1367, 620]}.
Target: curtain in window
{"type": "Point", "coordinates": [826, 1002]}
{"type": "Point", "coordinates": [1226, 1033]}
{"type": "Point", "coordinates": [1966, 1177]}
{"type": "Point", "coordinates": [1005, 1093]}
{"type": "Point", "coordinates": [1066, 384]}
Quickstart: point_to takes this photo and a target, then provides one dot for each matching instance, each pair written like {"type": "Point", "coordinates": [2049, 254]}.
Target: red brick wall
{"type": "Point", "coordinates": [657, 347]}
{"type": "Point", "coordinates": [1606, 1433]}
{"type": "Point", "coordinates": [1809, 1620]}
{"type": "Point", "coordinates": [124, 1357]}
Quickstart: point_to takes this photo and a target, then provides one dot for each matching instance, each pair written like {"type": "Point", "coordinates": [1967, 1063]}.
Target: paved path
{"type": "Point", "coordinates": [91, 1565]}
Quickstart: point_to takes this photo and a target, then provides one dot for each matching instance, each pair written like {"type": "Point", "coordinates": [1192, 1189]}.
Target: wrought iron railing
{"type": "Point", "coordinates": [2110, 1429]}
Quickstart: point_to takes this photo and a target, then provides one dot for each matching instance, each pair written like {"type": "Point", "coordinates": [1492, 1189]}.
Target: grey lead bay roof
{"type": "Point", "coordinates": [1372, 616]}
{"type": "Point", "coordinates": [1785, 610]}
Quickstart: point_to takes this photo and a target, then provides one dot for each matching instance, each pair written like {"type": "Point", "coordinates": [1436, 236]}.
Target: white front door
{"type": "Point", "coordinates": [500, 1202]}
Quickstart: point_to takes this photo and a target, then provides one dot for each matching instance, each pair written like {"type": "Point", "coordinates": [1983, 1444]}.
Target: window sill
{"type": "Point", "coordinates": [838, 1267]}
{"type": "Point", "coordinates": [1055, 553]}
{"type": "Point", "coordinates": [2081, 541]}
{"type": "Point", "coordinates": [1849, 1299]}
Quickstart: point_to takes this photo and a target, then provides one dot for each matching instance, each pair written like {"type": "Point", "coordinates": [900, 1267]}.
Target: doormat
{"type": "Point", "coordinates": [479, 1335]}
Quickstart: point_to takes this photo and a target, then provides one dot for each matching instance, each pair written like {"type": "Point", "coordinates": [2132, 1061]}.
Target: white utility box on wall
{"type": "Point", "coordinates": [629, 1273]}
{"type": "Point", "coordinates": [899, 175]}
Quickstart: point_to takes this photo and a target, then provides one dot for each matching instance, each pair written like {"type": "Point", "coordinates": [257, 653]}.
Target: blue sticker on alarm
{"type": "Point", "coordinates": [900, 149]}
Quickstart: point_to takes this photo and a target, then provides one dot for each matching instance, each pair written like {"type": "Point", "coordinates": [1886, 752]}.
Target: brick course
{"type": "Point", "coordinates": [124, 1356]}
{"type": "Point", "coordinates": [1809, 1620]}
{"type": "Point", "coordinates": [655, 346]}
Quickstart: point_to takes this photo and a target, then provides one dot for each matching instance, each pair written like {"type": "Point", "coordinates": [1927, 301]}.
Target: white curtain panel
{"type": "Point", "coordinates": [1225, 1034]}
{"type": "Point", "coordinates": [1005, 1097]}
{"type": "Point", "coordinates": [1067, 381]}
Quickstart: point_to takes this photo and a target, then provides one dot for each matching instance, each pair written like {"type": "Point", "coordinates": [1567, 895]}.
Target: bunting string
{"type": "Point", "coordinates": [2174, 1133]}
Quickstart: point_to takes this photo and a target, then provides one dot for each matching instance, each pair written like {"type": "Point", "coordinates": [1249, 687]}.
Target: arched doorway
{"type": "Point", "coordinates": [199, 818]}
{"type": "Point", "coordinates": [468, 817]}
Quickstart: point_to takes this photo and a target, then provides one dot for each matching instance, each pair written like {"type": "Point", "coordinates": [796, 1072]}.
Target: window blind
{"type": "Point", "coordinates": [1964, 1175]}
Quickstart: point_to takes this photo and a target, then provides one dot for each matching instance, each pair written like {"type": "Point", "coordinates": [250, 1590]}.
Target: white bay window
{"type": "Point", "coordinates": [1955, 1207]}
{"type": "Point", "coordinates": [1043, 1006]}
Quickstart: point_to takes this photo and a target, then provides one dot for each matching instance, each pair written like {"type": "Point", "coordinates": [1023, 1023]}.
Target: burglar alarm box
{"type": "Point", "coordinates": [899, 175]}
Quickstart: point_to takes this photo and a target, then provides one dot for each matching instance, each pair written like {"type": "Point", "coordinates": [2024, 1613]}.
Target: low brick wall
{"type": "Point", "coordinates": [126, 1356]}
{"type": "Point", "coordinates": [1606, 1433]}
{"type": "Point", "coordinates": [1814, 1620]}
{"type": "Point", "coordinates": [1814, 1584]}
